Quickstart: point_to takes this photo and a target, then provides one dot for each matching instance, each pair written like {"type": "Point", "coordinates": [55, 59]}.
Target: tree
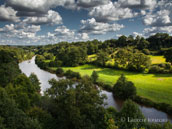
{"type": "Point", "coordinates": [59, 71]}
{"type": "Point", "coordinates": [9, 68]}
{"type": "Point", "coordinates": [94, 76]}
{"type": "Point", "coordinates": [13, 117]}
{"type": "Point", "coordinates": [122, 57]}
{"type": "Point", "coordinates": [23, 92]}
{"type": "Point", "coordinates": [102, 58]}
{"type": "Point", "coordinates": [168, 55]}
{"type": "Point", "coordinates": [77, 105]}
{"type": "Point", "coordinates": [45, 119]}
{"type": "Point", "coordinates": [140, 62]}
{"type": "Point", "coordinates": [124, 89]}
{"type": "Point", "coordinates": [122, 41]}
{"type": "Point", "coordinates": [129, 112]}
{"type": "Point", "coordinates": [35, 82]}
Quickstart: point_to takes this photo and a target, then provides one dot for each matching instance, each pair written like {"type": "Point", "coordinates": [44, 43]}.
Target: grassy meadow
{"type": "Point", "coordinates": [157, 87]}
{"type": "Point", "coordinates": [157, 59]}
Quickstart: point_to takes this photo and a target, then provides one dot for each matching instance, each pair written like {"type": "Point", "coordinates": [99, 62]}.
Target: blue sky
{"type": "Point", "coordinates": [35, 22]}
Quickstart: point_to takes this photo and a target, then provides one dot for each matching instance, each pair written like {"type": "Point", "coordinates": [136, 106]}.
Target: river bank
{"type": "Point", "coordinates": [29, 66]}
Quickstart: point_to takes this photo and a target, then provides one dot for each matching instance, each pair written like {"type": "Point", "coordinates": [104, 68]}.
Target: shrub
{"type": "Point", "coordinates": [146, 51]}
{"type": "Point", "coordinates": [55, 63]}
{"type": "Point", "coordinates": [70, 74]}
{"type": "Point", "coordinates": [94, 76]}
{"type": "Point", "coordinates": [59, 71]}
{"type": "Point", "coordinates": [124, 89]}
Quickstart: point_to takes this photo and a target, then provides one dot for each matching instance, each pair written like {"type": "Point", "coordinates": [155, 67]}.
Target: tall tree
{"type": "Point", "coordinates": [124, 89]}
{"type": "Point", "coordinates": [168, 55]}
{"type": "Point", "coordinates": [94, 76]}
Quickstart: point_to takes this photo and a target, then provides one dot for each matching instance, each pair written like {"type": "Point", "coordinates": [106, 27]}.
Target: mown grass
{"type": "Point", "coordinates": [156, 87]}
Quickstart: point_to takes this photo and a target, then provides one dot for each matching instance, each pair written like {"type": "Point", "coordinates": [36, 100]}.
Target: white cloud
{"type": "Point", "coordinates": [154, 30]}
{"type": "Point", "coordinates": [63, 31]}
{"type": "Point", "coordinates": [84, 36]}
{"type": "Point", "coordinates": [19, 31]}
{"type": "Point", "coordinates": [51, 18]}
{"type": "Point", "coordinates": [111, 12]}
{"type": "Point", "coordinates": [161, 18]}
{"type": "Point", "coordinates": [92, 27]}
{"type": "Point", "coordinates": [8, 14]}
{"type": "Point", "coordinates": [140, 4]}
{"type": "Point", "coordinates": [135, 34]}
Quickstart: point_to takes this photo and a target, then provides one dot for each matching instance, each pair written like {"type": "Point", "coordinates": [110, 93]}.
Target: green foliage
{"type": "Point", "coordinates": [124, 89]}
{"type": "Point", "coordinates": [78, 106]}
{"type": "Point", "coordinates": [60, 71]}
{"type": "Point", "coordinates": [134, 61]}
{"type": "Point", "coordinates": [168, 55]}
{"type": "Point", "coordinates": [12, 117]}
{"type": "Point", "coordinates": [128, 114]}
{"type": "Point", "coordinates": [8, 67]}
{"type": "Point", "coordinates": [35, 82]}
{"type": "Point", "coordinates": [23, 92]}
{"type": "Point", "coordinates": [102, 58]}
{"type": "Point", "coordinates": [94, 76]}
{"type": "Point", "coordinates": [45, 119]}
{"type": "Point", "coordinates": [71, 56]}
{"type": "Point", "coordinates": [159, 40]}
{"type": "Point", "coordinates": [70, 74]}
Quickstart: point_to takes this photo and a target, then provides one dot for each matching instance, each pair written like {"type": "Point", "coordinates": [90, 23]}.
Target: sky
{"type": "Point", "coordinates": [41, 22]}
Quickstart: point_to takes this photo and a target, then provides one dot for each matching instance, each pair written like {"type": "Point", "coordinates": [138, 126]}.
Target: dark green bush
{"type": "Point", "coordinates": [59, 71]}
{"type": "Point", "coordinates": [70, 74]}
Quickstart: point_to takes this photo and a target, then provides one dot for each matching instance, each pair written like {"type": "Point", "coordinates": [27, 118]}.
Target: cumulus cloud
{"type": "Point", "coordinates": [19, 31]}
{"type": "Point", "coordinates": [140, 4]}
{"type": "Point", "coordinates": [8, 14]}
{"type": "Point", "coordinates": [111, 12]}
{"type": "Point", "coordinates": [37, 7]}
{"type": "Point", "coordinates": [83, 36]}
{"type": "Point", "coordinates": [63, 31]}
{"type": "Point", "coordinates": [51, 18]}
{"type": "Point", "coordinates": [154, 30]}
{"type": "Point", "coordinates": [93, 27]}
{"type": "Point", "coordinates": [135, 34]}
{"type": "Point", "coordinates": [161, 18]}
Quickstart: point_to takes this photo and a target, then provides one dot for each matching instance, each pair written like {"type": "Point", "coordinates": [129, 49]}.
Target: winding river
{"type": "Point", "coordinates": [29, 66]}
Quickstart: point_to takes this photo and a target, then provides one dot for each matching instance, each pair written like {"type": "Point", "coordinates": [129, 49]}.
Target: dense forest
{"type": "Point", "coordinates": [76, 102]}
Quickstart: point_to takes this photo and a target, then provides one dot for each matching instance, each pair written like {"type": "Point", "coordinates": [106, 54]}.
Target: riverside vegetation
{"type": "Point", "coordinates": [76, 102]}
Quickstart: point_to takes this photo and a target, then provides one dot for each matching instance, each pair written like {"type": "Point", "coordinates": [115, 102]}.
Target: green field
{"type": "Point", "coordinates": [157, 87]}
{"type": "Point", "coordinates": [157, 59]}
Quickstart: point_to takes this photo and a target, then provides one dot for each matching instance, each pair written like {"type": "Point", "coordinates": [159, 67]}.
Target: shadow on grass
{"type": "Point", "coordinates": [115, 72]}
{"type": "Point", "coordinates": [89, 67]}
{"type": "Point", "coordinates": [162, 75]}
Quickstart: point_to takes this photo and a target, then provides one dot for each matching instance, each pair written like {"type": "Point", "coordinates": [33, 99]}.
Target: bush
{"type": "Point", "coordinates": [160, 68]}
{"type": "Point", "coordinates": [124, 89]}
{"type": "Point", "coordinates": [146, 51]}
{"type": "Point", "coordinates": [94, 76]}
{"type": "Point", "coordinates": [60, 71]}
{"type": "Point", "coordinates": [55, 63]}
{"type": "Point", "coordinates": [70, 74]}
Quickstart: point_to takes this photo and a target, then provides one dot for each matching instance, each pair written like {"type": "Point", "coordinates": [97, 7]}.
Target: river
{"type": "Point", "coordinates": [29, 66]}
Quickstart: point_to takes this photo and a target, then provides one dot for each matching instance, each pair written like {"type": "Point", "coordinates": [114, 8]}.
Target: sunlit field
{"type": "Point", "coordinates": [156, 87]}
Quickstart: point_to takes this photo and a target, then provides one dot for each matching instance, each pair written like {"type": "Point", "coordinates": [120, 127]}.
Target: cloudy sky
{"type": "Point", "coordinates": [35, 22]}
